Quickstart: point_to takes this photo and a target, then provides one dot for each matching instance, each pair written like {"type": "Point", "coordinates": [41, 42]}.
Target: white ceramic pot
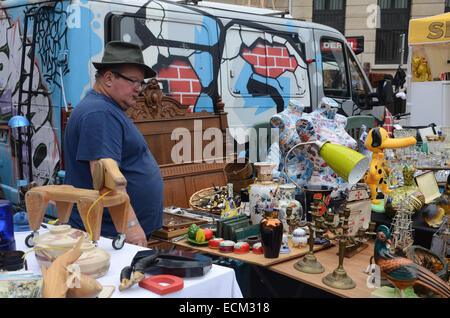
{"type": "Point", "coordinates": [299, 238]}
{"type": "Point", "coordinates": [262, 193]}
{"type": "Point", "coordinates": [286, 199]}
{"type": "Point", "coordinates": [93, 262]}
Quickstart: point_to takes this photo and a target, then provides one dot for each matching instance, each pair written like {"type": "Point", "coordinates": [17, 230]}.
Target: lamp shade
{"type": "Point", "coordinates": [347, 163]}
{"type": "Point", "coordinates": [18, 121]}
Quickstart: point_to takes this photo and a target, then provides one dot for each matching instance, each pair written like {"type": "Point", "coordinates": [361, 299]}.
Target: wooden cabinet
{"type": "Point", "coordinates": [166, 126]}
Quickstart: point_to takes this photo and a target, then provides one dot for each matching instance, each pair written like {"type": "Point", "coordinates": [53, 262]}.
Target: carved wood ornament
{"type": "Point", "coordinates": [153, 104]}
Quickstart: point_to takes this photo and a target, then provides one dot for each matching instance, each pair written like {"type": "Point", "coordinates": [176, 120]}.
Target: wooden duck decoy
{"type": "Point", "coordinates": [402, 272]}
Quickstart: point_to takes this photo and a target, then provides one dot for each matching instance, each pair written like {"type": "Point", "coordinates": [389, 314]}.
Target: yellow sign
{"type": "Point", "coordinates": [430, 30]}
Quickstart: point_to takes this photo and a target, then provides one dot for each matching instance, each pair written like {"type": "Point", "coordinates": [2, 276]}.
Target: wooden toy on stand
{"type": "Point", "coordinates": [107, 183]}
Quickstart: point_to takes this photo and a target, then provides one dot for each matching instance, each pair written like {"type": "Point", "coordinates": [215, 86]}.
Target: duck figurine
{"type": "Point", "coordinates": [402, 272]}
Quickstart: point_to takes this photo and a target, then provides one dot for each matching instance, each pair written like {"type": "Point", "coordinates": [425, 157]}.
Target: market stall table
{"type": "Point", "coordinates": [219, 282]}
{"type": "Point", "coordinates": [354, 267]}
{"type": "Point", "coordinates": [250, 257]}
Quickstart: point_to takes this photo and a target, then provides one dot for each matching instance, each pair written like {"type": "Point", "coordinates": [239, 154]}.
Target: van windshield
{"type": "Point", "coordinates": [333, 68]}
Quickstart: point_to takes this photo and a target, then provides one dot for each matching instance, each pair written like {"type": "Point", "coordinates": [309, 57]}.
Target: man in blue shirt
{"type": "Point", "coordinates": [99, 128]}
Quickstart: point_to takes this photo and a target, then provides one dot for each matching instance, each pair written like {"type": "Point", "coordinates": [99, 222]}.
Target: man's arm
{"type": "Point", "coordinates": [135, 234]}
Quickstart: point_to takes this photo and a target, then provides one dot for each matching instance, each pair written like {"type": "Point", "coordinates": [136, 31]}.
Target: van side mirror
{"type": "Point", "coordinates": [385, 92]}
{"type": "Point", "coordinates": [382, 96]}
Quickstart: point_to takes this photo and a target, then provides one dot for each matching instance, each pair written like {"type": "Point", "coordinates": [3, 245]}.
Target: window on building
{"type": "Point", "coordinates": [330, 12]}
{"type": "Point", "coordinates": [447, 6]}
{"type": "Point", "coordinates": [395, 15]}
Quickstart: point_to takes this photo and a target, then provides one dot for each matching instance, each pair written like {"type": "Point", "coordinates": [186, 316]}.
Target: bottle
{"type": "Point", "coordinates": [271, 231]}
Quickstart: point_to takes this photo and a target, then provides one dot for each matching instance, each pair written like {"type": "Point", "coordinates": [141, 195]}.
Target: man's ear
{"type": "Point", "coordinates": [108, 78]}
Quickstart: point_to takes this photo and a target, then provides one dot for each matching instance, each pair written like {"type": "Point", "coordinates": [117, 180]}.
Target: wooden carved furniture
{"type": "Point", "coordinates": [90, 203]}
{"type": "Point", "coordinates": [159, 118]}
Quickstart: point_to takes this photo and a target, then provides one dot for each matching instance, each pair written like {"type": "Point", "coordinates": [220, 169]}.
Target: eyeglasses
{"type": "Point", "coordinates": [135, 83]}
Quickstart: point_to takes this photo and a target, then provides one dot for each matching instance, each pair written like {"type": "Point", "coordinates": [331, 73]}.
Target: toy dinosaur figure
{"type": "Point", "coordinates": [403, 272]}
{"type": "Point", "coordinates": [377, 140]}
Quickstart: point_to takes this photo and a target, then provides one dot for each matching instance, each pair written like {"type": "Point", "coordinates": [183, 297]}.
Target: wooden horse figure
{"type": "Point", "coordinates": [107, 179]}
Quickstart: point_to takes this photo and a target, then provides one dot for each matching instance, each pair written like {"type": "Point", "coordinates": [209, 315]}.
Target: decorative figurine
{"type": "Point", "coordinates": [421, 69]}
{"type": "Point", "coordinates": [299, 238]}
{"type": "Point", "coordinates": [409, 191]}
{"type": "Point", "coordinates": [377, 140]}
{"type": "Point", "coordinates": [107, 181]}
{"type": "Point", "coordinates": [285, 245]}
{"type": "Point", "coordinates": [57, 282]}
{"type": "Point", "coordinates": [401, 229]}
{"type": "Point", "coordinates": [402, 271]}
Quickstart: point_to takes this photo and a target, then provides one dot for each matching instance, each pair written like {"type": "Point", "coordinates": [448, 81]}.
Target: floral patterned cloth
{"type": "Point", "coordinates": [288, 137]}
{"type": "Point", "coordinates": [325, 125]}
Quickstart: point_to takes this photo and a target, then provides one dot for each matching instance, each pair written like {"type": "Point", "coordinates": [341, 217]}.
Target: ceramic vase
{"type": "Point", "coordinates": [263, 192]}
{"type": "Point", "coordinates": [289, 217]}
{"type": "Point", "coordinates": [271, 231]}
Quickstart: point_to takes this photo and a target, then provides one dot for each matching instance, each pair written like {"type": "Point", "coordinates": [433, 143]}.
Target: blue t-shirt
{"type": "Point", "coordinates": [99, 128]}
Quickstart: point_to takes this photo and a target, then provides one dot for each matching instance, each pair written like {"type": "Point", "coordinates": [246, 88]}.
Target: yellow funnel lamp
{"type": "Point", "coordinates": [351, 166]}
{"type": "Point", "coordinates": [347, 163]}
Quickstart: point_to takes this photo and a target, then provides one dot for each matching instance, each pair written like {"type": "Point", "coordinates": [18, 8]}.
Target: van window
{"type": "Point", "coordinates": [333, 68]}
{"type": "Point", "coordinates": [358, 84]}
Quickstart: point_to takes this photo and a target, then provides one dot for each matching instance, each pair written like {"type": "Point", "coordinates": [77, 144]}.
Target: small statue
{"type": "Point", "coordinates": [421, 69]}
{"type": "Point", "coordinates": [57, 278]}
{"type": "Point", "coordinates": [377, 140]}
{"type": "Point", "coordinates": [409, 192]}
{"type": "Point", "coordinates": [402, 272]}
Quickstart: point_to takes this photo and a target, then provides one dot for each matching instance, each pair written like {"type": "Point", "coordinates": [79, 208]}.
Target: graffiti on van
{"type": "Point", "coordinates": [254, 68]}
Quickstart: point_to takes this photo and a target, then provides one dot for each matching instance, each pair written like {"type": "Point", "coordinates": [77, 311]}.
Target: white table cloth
{"type": "Point", "coordinates": [219, 282]}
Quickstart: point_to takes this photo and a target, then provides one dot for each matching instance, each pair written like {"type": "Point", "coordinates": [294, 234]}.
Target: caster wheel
{"type": "Point", "coordinates": [29, 240]}
{"type": "Point", "coordinates": [118, 241]}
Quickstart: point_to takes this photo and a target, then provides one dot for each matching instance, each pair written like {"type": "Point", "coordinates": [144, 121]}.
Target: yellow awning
{"type": "Point", "coordinates": [433, 29]}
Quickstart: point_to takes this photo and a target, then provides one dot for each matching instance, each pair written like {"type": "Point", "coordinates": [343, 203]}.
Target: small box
{"type": "Point", "coordinates": [428, 186]}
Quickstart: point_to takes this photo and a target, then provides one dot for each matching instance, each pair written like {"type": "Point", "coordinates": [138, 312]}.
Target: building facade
{"type": "Point", "coordinates": [381, 22]}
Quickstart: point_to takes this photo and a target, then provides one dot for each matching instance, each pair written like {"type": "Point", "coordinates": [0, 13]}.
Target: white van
{"type": "Point", "coordinates": [256, 61]}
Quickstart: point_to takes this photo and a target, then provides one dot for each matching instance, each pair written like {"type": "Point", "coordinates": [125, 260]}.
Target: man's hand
{"type": "Point", "coordinates": [136, 236]}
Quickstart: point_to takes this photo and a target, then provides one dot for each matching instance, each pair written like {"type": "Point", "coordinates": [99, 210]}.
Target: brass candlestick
{"type": "Point", "coordinates": [309, 263]}
{"type": "Point", "coordinates": [339, 278]}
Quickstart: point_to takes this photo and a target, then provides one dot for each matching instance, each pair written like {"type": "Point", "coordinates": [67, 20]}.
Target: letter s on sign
{"type": "Point", "coordinates": [436, 28]}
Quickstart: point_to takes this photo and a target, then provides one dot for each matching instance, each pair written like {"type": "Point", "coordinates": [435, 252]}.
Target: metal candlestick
{"type": "Point", "coordinates": [309, 263]}
{"type": "Point", "coordinates": [339, 278]}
